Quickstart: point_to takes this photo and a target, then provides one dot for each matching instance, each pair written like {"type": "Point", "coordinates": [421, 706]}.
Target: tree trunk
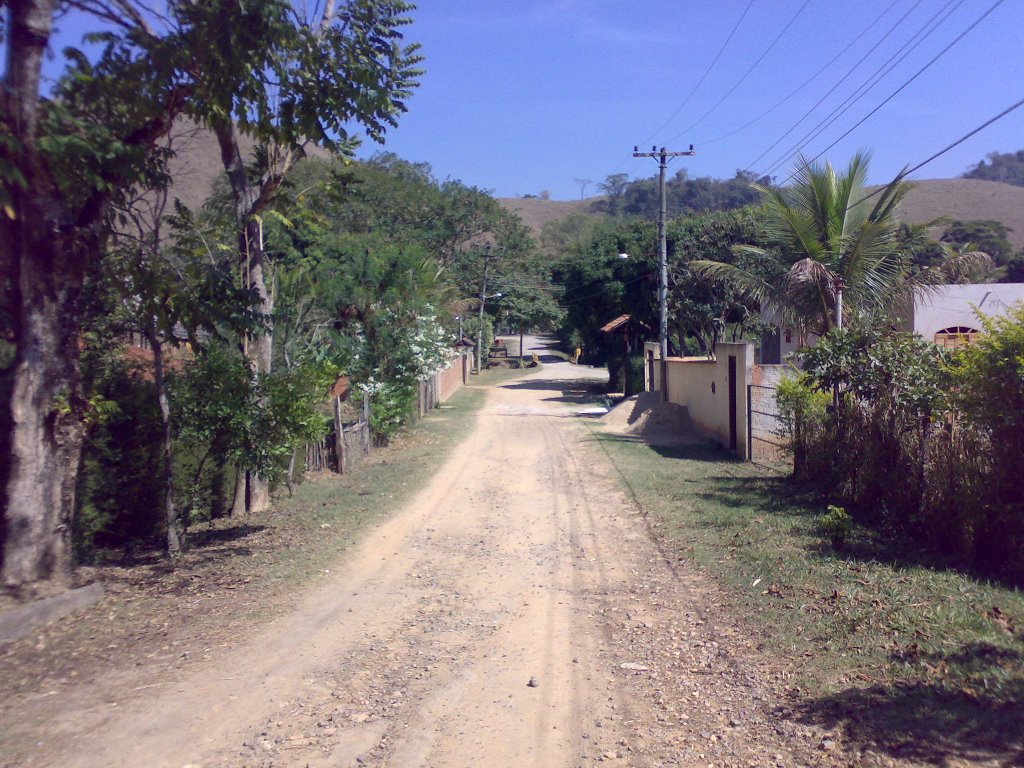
{"type": "Point", "coordinates": [45, 438]}
{"type": "Point", "coordinates": [166, 443]}
{"type": "Point", "coordinates": [248, 206]}
{"type": "Point", "coordinates": [238, 501]}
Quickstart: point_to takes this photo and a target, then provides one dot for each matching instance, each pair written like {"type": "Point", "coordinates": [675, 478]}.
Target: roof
{"type": "Point", "coordinates": [615, 324]}
{"type": "Point", "coordinates": [341, 388]}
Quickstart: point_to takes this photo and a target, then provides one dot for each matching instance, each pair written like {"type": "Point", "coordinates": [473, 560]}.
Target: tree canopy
{"type": "Point", "coordinates": [1007, 167]}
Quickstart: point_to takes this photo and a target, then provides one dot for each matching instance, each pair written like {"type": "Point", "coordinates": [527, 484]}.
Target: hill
{"type": "Point", "coordinates": [536, 212]}
{"type": "Point", "coordinates": [928, 200]}
{"type": "Point", "coordinates": [967, 199]}
{"type": "Point", "coordinates": [197, 165]}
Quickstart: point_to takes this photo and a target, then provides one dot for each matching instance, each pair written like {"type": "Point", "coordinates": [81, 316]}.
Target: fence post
{"type": "Point", "coordinates": [364, 436]}
{"type": "Point", "coordinates": [750, 422]}
{"type": "Point", "coordinates": [339, 435]}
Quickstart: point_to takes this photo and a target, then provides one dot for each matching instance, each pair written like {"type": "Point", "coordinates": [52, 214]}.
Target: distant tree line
{"type": "Point", "coordinates": [683, 195]}
{"type": "Point", "coordinates": [1007, 167]}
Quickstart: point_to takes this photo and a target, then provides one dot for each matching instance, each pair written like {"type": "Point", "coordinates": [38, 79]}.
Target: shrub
{"type": "Point", "coordinates": [988, 381]}
{"type": "Point", "coordinates": [836, 525]}
{"type": "Point", "coordinates": [802, 411]}
{"type": "Point", "coordinates": [923, 444]}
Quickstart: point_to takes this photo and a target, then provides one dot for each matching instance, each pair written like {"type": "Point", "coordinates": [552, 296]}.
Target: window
{"type": "Point", "coordinates": [955, 337]}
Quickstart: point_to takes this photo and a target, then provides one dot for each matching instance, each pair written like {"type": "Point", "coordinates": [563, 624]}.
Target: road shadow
{"type": "Point", "coordinates": [683, 447]}
{"type": "Point", "coordinates": [927, 723]}
{"type": "Point", "coordinates": [580, 392]}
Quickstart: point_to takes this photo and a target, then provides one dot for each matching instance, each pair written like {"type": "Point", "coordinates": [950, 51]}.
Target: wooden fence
{"type": "Point", "coordinates": [345, 446]}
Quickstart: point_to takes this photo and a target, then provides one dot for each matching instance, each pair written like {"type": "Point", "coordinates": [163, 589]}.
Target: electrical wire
{"type": "Point", "coordinates": [847, 76]}
{"type": "Point", "coordinates": [868, 85]}
{"type": "Point", "coordinates": [746, 74]}
{"type": "Point", "coordinates": [911, 79]}
{"type": "Point", "coordinates": [702, 77]}
{"type": "Point", "coordinates": [871, 25]}
{"type": "Point", "coordinates": [903, 174]}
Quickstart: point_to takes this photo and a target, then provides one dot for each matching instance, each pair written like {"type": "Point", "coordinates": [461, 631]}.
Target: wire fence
{"type": "Point", "coordinates": [767, 444]}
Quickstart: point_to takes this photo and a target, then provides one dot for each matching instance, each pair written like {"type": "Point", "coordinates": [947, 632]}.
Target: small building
{"type": "Point", "coordinates": [948, 315]}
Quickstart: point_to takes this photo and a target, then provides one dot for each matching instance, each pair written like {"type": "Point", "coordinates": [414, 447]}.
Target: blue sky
{"type": "Point", "coordinates": [523, 96]}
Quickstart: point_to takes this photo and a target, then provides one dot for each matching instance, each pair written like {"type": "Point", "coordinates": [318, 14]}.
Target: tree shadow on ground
{"type": "Point", "coordinates": [866, 544]}
{"type": "Point", "coordinates": [669, 448]}
{"type": "Point", "coordinates": [207, 556]}
{"type": "Point", "coordinates": [196, 541]}
{"type": "Point", "coordinates": [199, 538]}
{"type": "Point", "coordinates": [924, 722]}
{"type": "Point", "coordinates": [580, 392]}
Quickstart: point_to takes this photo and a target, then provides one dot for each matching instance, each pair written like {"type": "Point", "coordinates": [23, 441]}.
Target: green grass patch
{"type": "Point", "coordinates": [879, 640]}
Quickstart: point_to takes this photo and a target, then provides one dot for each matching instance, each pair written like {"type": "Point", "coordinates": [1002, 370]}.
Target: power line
{"type": "Point", "coordinates": [686, 101]}
{"type": "Point", "coordinates": [871, 25]}
{"type": "Point", "coordinates": [745, 74]}
{"type": "Point", "coordinates": [704, 76]}
{"type": "Point", "coordinates": [876, 77]}
{"type": "Point", "coordinates": [903, 174]}
{"type": "Point", "coordinates": [913, 77]}
{"type": "Point", "coordinates": [843, 79]}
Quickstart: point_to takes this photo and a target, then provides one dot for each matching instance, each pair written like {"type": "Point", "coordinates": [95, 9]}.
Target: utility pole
{"type": "Point", "coordinates": [480, 327]}
{"type": "Point", "coordinates": [662, 156]}
{"type": "Point", "coordinates": [839, 325]}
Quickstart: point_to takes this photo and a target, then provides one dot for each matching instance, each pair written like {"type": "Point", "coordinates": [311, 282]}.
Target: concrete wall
{"type": "Point", "coordinates": [702, 387]}
{"type": "Point", "coordinates": [953, 306]}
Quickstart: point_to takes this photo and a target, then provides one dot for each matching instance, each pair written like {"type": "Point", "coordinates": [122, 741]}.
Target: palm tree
{"type": "Point", "coordinates": [834, 234]}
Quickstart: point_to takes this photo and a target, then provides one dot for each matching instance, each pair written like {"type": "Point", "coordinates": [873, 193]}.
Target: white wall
{"type": "Point", "coordinates": [954, 305]}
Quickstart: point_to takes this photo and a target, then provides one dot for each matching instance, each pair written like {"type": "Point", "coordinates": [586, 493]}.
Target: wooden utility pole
{"type": "Point", "coordinates": [480, 327]}
{"type": "Point", "coordinates": [662, 156]}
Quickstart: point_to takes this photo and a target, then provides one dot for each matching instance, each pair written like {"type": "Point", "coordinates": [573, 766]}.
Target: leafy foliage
{"type": "Point", "coordinates": [924, 444]}
{"type": "Point", "coordinates": [833, 235]}
{"type": "Point", "coordinates": [1007, 167]}
{"type": "Point", "coordinates": [683, 196]}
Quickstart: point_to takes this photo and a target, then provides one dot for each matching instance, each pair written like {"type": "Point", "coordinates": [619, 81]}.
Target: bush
{"type": "Point", "coordinates": [391, 406]}
{"type": "Point", "coordinates": [988, 379]}
{"type": "Point", "coordinates": [119, 481]}
{"type": "Point", "coordinates": [802, 411]}
{"type": "Point", "coordinates": [836, 525]}
{"type": "Point", "coordinates": [922, 444]}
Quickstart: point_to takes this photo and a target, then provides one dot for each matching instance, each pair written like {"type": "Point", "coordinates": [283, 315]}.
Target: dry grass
{"type": "Point", "coordinates": [967, 199]}
{"type": "Point", "coordinates": [536, 212]}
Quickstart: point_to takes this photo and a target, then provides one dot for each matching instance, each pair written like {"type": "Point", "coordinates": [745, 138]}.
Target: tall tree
{"type": "Point", "coordinates": [242, 66]}
{"type": "Point", "coordinates": [313, 87]}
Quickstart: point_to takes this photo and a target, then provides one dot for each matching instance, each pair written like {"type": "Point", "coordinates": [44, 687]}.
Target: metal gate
{"type": "Point", "coordinates": [767, 443]}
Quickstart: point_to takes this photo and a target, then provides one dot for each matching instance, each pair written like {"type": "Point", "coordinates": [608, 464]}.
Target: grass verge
{"type": "Point", "coordinates": [926, 662]}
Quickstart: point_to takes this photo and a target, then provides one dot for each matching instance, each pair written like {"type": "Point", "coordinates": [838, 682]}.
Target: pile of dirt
{"type": "Point", "coordinates": [647, 416]}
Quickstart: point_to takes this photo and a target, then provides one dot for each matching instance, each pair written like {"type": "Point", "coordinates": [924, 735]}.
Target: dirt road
{"type": "Point", "coordinates": [515, 614]}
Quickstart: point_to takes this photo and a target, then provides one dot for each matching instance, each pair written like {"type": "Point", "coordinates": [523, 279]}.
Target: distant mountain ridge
{"type": "Point", "coordinates": [197, 165]}
{"type": "Point", "coordinates": [929, 199]}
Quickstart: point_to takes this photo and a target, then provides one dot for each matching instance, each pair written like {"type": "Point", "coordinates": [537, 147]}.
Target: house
{"type": "Point", "coordinates": [945, 314]}
{"type": "Point", "coordinates": [949, 315]}
{"type": "Point", "coordinates": [780, 342]}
